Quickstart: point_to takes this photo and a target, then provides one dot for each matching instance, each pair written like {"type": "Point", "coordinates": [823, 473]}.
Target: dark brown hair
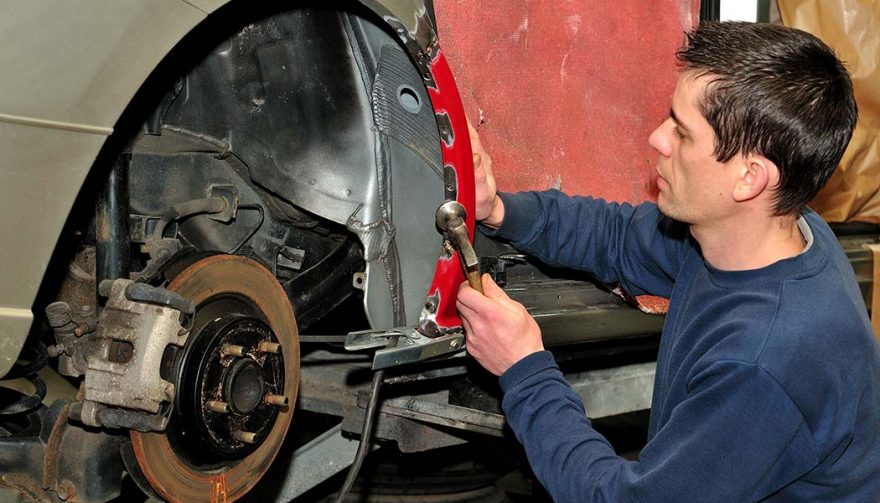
{"type": "Point", "coordinates": [777, 92]}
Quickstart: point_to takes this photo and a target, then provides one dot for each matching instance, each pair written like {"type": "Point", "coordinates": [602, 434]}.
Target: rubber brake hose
{"type": "Point", "coordinates": [366, 435]}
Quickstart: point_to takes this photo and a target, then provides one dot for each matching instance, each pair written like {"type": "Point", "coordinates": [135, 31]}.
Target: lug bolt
{"type": "Point", "coordinates": [244, 436]}
{"type": "Point", "coordinates": [232, 350]}
{"type": "Point", "coordinates": [217, 406]}
{"type": "Point", "coordinates": [269, 347]}
{"type": "Point", "coordinates": [279, 400]}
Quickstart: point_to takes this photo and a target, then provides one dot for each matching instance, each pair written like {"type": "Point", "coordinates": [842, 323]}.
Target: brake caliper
{"type": "Point", "coordinates": [122, 360]}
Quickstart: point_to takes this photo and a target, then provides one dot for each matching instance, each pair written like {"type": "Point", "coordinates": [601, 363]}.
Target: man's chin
{"type": "Point", "coordinates": [667, 210]}
{"type": "Point", "coordinates": [663, 205]}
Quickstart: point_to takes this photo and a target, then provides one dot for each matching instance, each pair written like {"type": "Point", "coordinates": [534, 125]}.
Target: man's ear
{"type": "Point", "coordinates": [754, 177]}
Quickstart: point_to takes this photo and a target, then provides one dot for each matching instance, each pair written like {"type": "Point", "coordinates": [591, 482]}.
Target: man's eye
{"type": "Point", "coordinates": [679, 133]}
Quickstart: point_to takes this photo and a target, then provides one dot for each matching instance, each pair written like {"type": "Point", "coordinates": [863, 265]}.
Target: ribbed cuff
{"type": "Point", "coordinates": [525, 368]}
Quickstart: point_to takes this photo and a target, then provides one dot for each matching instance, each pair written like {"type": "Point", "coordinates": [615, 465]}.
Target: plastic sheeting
{"type": "Point", "coordinates": [851, 27]}
{"type": "Point", "coordinates": [567, 92]}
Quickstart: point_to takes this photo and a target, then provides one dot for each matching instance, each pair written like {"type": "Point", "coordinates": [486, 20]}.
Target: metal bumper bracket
{"type": "Point", "coordinates": [404, 345]}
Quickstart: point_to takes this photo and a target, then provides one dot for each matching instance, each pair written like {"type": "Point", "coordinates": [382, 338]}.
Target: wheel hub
{"type": "Point", "coordinates": [245, 387]}
{"type": "Point", "coordinates": [225, 376]}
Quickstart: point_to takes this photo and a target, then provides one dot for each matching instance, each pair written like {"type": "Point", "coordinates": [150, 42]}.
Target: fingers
{"type": "Point", "coordinates": [466, 310]}
{"type": "Point", "coordinates": [500, 331]}
{"type": "Point", "coordinates": [470, 298]}
{"type": "Point", "coordinates": [476, 145]}
{"type": "Point", "coordinates": [479, 309]}
{"type": "Point", "coordinates": [484, 180]}
{"type": "Point", "coordinates": [491, 289]}
{"type": "Point", "coordinates": [473, 300]}
{"type": "Point", "coordinates": [472, 132]}
{"type": "Point", "coordinates": [467, 326]}
{"type": "Point", "coordinates": [479, 171]}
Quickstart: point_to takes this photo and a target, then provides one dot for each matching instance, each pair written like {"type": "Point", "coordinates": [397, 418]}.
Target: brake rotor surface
{"type": "Point", "coordinates": [235, 298]}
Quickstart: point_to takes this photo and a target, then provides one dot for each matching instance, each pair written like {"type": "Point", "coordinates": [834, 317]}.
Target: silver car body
{"type": "Point", "coordinates": [69, 71]}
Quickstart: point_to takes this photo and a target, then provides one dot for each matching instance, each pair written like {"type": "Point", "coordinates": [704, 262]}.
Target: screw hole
{"type": "Point", "coordinates": [359, 281]}
{"type": "Point", "coordinates": [409, 99]}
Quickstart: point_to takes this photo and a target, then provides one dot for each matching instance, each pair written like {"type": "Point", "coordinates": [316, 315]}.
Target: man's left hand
{"type": "Point", "coordinates": [500, 332]}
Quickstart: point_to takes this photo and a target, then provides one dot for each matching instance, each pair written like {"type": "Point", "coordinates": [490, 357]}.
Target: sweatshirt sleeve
{"type": "Point", "coordinates": [635, 246]}
{"type": "Point", "coordinates": [735, 438]}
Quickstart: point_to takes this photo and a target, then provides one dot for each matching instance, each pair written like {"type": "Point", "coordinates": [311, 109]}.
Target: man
{"type": "Point", "coordinates": [768, 377]}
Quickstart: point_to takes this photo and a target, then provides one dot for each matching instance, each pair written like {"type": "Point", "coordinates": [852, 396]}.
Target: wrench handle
{"type": "Point", "coordinates": [473, 278]}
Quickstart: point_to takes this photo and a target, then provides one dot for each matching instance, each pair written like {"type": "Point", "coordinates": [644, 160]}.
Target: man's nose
{"type": "Point", "coordinates": [660, 139]}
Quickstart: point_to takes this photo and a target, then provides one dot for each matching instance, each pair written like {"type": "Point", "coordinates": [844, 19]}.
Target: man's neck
{"type": "Point", "coordinates": [743, 243]}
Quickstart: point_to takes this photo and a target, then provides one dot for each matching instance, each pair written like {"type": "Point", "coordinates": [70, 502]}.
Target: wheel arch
{"type": "Point", "coordinates": [55, 124]}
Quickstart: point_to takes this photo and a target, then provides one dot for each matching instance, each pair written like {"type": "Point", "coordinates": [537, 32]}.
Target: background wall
{"type": "Point", "coordinates": [567, 90]}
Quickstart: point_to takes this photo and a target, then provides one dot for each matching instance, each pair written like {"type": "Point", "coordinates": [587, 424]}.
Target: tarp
{"type": "Point", "coordinates": [852, 28]}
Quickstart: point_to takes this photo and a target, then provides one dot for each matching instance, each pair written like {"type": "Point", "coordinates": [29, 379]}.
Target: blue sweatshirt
{"type": "Point", "coordinates": [767, 384]}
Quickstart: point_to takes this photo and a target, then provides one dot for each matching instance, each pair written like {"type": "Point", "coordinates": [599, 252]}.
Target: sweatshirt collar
{"type": "Point", "coordinates": [804, 264]}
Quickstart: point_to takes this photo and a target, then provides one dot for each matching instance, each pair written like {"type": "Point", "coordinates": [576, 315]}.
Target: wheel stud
{"type": "Point", "coordinates": [244, 436]}
{"type": "Point", "coordinates": [279, 400]}
{"type": "Point", "coordinates": [269, 347]}
{"type": "Point", "coordinates": [231, 350]}
{"type": "Point", "coordinates": [217, 406]}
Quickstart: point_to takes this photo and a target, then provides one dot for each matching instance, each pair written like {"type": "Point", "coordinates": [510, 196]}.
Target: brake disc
{"type": "Point", "coordinates": [237, 379]}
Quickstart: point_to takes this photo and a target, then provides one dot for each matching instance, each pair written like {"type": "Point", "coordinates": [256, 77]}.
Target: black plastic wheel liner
{"type": "Point", "coordinates": [317, 290]}
{"type": "Point", "coordinates": [287, 96]}
{"type": "Point", "coordinates": [290, 107]}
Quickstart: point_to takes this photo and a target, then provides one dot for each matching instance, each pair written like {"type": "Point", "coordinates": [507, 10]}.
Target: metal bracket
{"type": "Point", "coordinates": [403, 345]}
{"type": "Point", "coordinates": [228, 193]}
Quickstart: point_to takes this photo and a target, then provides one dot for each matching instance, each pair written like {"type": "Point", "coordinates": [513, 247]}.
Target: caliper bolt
{"type": "Point", "coordinates": [279, 400]}
{"type": "Point", "coordinates": [66, 490]}
{"type": "Point", "coordinates": [244, 436]}
{"type": "Point", "coordinates": [269, 347]}
{"type": "Point", "coordinates": [56, 350]}
{"type": "Point", "coordinates": [217, 406]}
{"type": "Point", "coordinates": [232, 350]}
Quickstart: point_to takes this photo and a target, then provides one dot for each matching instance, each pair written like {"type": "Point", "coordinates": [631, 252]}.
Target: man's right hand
{"type": "Point", "coordinates": [490, 208]}
{"type": "Point", "coordinates": [500, 332]}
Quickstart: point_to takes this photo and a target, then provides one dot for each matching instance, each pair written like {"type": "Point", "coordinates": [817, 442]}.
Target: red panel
{"type": "Point", "coordinates": [567, 89]}
{"type": "Point", "coordinates": [446, 101]}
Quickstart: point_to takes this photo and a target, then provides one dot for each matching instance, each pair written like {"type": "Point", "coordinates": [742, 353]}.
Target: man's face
{"type": "Point", "coordinates": [693, 186]}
